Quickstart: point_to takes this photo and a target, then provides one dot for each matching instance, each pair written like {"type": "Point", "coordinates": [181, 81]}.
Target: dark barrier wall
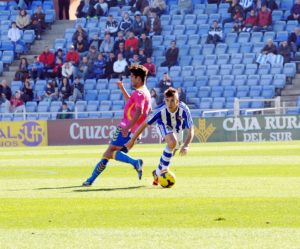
{"type": "Point", "coordinates": [89, 131]}
{"type": "Point", "coordinates": [247, 129]}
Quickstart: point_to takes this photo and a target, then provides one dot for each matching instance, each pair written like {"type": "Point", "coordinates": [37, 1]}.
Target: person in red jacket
{"type": "Point", "coordinates": [264, 19]}
{"type": "Point", "coordinates": [72, 56]}
{"type": "Point", "coordinates": [48, 60]}
{"type": "Point", "coordinates": [132, 42]}
{"type": "Point", "coordinates": [151, 67]}
{"type": "Point", "coordinates": [250, 22]}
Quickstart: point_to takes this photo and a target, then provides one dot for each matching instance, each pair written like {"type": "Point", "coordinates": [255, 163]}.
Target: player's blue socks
{"type": "Point", "coordinates": [100, 167]}
{"type": "Point", "coordinates": [123, 157]}
{"type": "Point", "coordinates": [164, 160]}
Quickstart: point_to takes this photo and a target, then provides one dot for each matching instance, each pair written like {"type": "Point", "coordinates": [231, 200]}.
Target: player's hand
{"type": "Point", "coordinates": [129, 144]}
{"type": "Point", "coordinates": [183, 150]}
{"type": "Point", "coordinates": [120, 84]}
{"type": "Point", "coordinates": [125, 131]}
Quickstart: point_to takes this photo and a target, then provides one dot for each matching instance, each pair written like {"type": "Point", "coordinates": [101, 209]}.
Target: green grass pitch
{"type": "Point", "coordinates": [227, 196]}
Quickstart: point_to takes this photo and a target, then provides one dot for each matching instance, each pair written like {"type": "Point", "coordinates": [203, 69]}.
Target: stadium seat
{"type": "Point", "coordinates": [177, 20]}
{"type": "Point", "coordinates": [214, 80]}
{"type": "Point", "coordinates": [191, 29]}
{"type": "Point", "coordinates": [289, 69]}
{"type": "Point", "coordinates": [255, 91]}
{"type": "Point", "coordinates": [253, 80]}
{"type": "Point", "coordinates": [201, 80]}
{"type": "Point", "coordinates": [212, 70]}
{"type": "Point", "coordinates": [210, 59]}
{"type": "Point", "coordinates": [193, 40]}
{"type": "Point", "coordinates": [221, 48]}
{"type": "Point", "coordinates": [249, 58]}
{"type": "Point", "coordinates": [233, 48]}
{"type": "Point", "coordinates": [227, 80]}
{"type": "Point", "coordinates": [216, 91]}
{"type": "Point", "coordinates": [251, 69]}
{"type": "Point", "coordinates": [242, 91]}
{"type": "Point", "coordinates": [225, 69]}
{"type": "Point", "coordinates": [266, 79]}
{"type": "Point", "coordinates": [238, 69]}
{"type": "Point", "coordinates": [223, 59]}
{"type": "Point", "coordinates": [256, 37]}
{"type": "Point", "coordinates": [195, 50]}
{"type": "Point", "coordinates": [279, 80]}
{"type": "Point", "coordinates": [229, 91]}
{"type": "Point", "coordinates": [187, 71]}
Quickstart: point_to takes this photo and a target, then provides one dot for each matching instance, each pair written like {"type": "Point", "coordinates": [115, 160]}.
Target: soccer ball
{"type": "Point", "coordinates": [167, 179]}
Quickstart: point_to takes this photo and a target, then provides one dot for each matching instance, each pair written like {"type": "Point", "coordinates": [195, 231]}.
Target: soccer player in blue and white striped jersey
{"type": "Point", "coordinates": [171, 118]}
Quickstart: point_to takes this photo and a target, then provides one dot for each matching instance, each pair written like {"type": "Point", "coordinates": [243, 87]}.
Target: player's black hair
{"type": "Point", "coordinates": [170, 92]}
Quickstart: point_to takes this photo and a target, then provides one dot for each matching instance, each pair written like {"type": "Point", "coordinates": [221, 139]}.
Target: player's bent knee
{"type": "Point", "coordinates": [172, 144]}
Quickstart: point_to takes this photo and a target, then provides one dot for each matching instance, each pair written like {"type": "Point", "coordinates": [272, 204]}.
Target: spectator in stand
{"type": "Point", "coordinates": [138, 26]}
{"type": "Point", "coordinates": [294, 40]}
{"type": "Point", "coordinates": [98, 69]}
{"type": "Point", "coordinates": [251, 22]}
{"type": "Point", "coordinates": [92, 54]}
{"type": "Point", "coordinates": [271, 5]}
{"type": "Point", "coordinates": [85, 9]}
{"type": "Point", "coordinates": [64, 5]}
{"type": "Point", "coordinates": [119, 40]}
{"type": "Point", "coordinates": [171, 56]}
{"type": "Point", "coordinates": [36, 69]}
{"type": "Point", "coordinates": [23, 20]}
{"type": "Point", "coordinates": [134, 60]}
{"type": "Point", "coordinates": [120, 66]}
{"type": "Point", "coordinates": [151, 67]}
{"type": "Point", "coordinates": [264, 19]}
{"type": "Point", "coordinates": [67, 70]}
{"type": "Point", "coordinates": [79, 31]}
{"type": "Point", "coordinates": [269, 55]}
{"type": "Point", "coordinates": [165, 83]}
{"type": "Point", "coordinates": [182, 95]}
{"type": "Point", "coordinates": [138, 5]}
{"type": "Point", "coordinates": [295, 11]}
{"type": "Point", "coordinates": [237, 13]}
{"type": "Point", "coordinates": [5, 89]}
{"type": "Point", "coordinates": [285, 50]}
{"type": "Point", "coordinates": [64, 112]}
{"type": "Point", "coordinates": [155, 99]}
{"type": "Point", "coordinates": [126, 23]}
{"type": "Point", "coordinates": [59, 55]}
{"type": "Point", "coordinates": [112, 3]}
{"type": "Point", "coordinates": [121, 50]}
{"type": "Point", "coordinates": [50, 92]}
{"type": "Point", "coordinates": [72, 56]}
{"type": "Point", "coordinates": [81, 46]}
{"type": "Point", "coordinates": [215, 34]}
{"type": "Point", "coordinates": [22, 72]}
{"type": "Point", "coordinates": [65, 90]}
{"type": "Point", "coordinates": [57, 69]}
{"type": "Point", "coordinates": [84, 68]}
{"type": "Point", "coordinates": [153, 24]}
{"type": "Point", "coordinates": [14, 35]}
{"type": "Point", "coordinates": [142, 56]}
{"type": "Point", "coordinates": [38, 21]}
{"type": "Point", "coordinates": [157, 6]}
{"type": "Point", "coordinates": [27, 91]}
{"type": "Point", "coordinates": [96, 42]}
{"type": "Point", "coordinates": [146, 44]}
{"type": "Point", "coordinates": [77, 90]}
{"type": "Point", "coordinates": [184, 7]}
{"type": "Point", "coordinates": [48, 59]}
{"type": "Point", "coordinates": [111, 26]}
{"type": "Point", "coordinates": [5, 103]}
{"type": "Point", "coordinates": [101, 8]}
{"type": "Point", "coordinates": [16, 103]}
{"type": "Point", "coordinates": [109, 70]}
{"type": "Point", "coordinates": [107, 44]}
{"type": "Point", "coordinates": [131, 42]}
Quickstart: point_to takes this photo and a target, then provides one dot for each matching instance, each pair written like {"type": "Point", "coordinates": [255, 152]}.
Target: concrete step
{"type": "Point", "coordinates": [297, 76]}
{"type": "Point", "coordinates": [289, 103]}
{"type": "Point", "coordinates": [287, 98]}
{"type": "Point", "coordinates": [290, 92]}
{"type": "Point", "coordinates": [291, 87]}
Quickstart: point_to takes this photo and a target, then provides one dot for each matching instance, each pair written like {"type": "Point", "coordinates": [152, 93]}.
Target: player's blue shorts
{"type": "Point", "coordinates": [119, 140]}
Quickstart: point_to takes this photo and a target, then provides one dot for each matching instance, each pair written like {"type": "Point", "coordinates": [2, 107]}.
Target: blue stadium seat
{"type": "Point", "coordinates": [268, 92]}
{"type": "Point", "coordinates": [225, 69]}
{"type": "Point", "coordinates": [201, 80]}
{"type": "Point", "coordinates": [256, 37]}
{"type": "Point", "coordinates": [227, 80]}
{"type": "Point", "coordinates": [175, 71]}
{"type": "Point", "coordinates": [193, 40]}
{"type": "Point", "coordinates": [268, 35]}
{"type": "Point", "coordinates": [242, 91]}
{"type": "Point", "coordinates": [264, 69]}
{"type": "Point", "coordinates": [291, 25]}
{"type": "Point", "coordinates": [159, 51]}
{"type": "Point", "coordinates": [197, 60]}
{"type": "Point", "coordinates": [282, 36]}
{"type": "Point", "coordinates": [205, 103]}
{"type": "Point", "coordinates": [266, 79]}
{"type": "Point", "coordinates": [91, 95]}
{"type": "Point", "coordinates": [243, 37]}
{"type": "Point", "coordinates": [201, 19]}
{"type": "Point", "coordinates": [230, 38]}
{"type": "Point", "coordinates": [214, 80]}
{"type": "Point", "coordinates": [279, 80]}
{"type": "Point", "coordinates": [233, 48]}
{"type": "Point", "coordinates": [276, 69]}
{"type": "Point", "coordinates": [223, 59]}
{"type": "Point", "coordinates": [238, 69]}
{"type": "Point", "coordinates": [249, 58]}
{"type": "Point", "coordinates": [257, 47]}
{"type": "Point", "coordinates": [221, 48]}
{"type": "Point", "coordinates": [212, 70]}
{"type": "Point", "coordinates": [181, 41]}
{"type": "Point", "coordinates": [177, 20]}
{"type": "Point", "coordinates": [289, 69]}
{"type": "Point", "coordinates": [203, 29]}
{"type": "Point", "coordinates": [216, 91]}
{"type": "Point", "coordinates": [246, 47]}
{"type": "Point", "coordinates": [251, 69]}
{"type": "Point", "coordinates": [229, 91]}
{"type": "Point", "coordinates": [211, 8]}
{"type": "Point", "coordinates": [255, 91]}
{"type": "Point", "coordinates": [218, 103]}
{"type": "Point", "coordinates": [168, 39]}
{"type": "Point", "coordinates": [279, 26]}
{"type": "Point", "coordinates": [236, 58]}
{"type": "Point", "coordinates": [178, 29]}
{"type": "Point", "coordinates": [191, 29]}
{"type": "Point", "coordinates": [167, 30]}
{"type": "Point", "coordinates": [165, 19]}
{"type": "Point", "coordinates": [157, 40]}
{"type": "Point", "coordinates": [204, 91]}
{"type": "Point", "coordinates": [195, 50]}
{"type": "Point", "coordinates": [253, 80]}
{"type": "Point", "coordinates": [210, 59]}
{"type": "Point", "coordinates": [240, 80]}
{"type": "Point", "coordinates": [187, 71]}
{"type": "Point", "coordinates": [214, 17]}
{"type": "Point", "coordinates": [7, 57]}
{"type": "Point", "coordinates": [200, 70]}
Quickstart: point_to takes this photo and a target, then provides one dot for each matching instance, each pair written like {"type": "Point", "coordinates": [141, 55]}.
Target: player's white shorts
{"type": "Point", "coordinates": [165, 130]}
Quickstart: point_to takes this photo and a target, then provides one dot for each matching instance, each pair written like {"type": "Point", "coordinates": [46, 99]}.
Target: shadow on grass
{"type": "Point", "coordinates": [65, 187]}
{"type": "Point", "coordinates": [107, 189]}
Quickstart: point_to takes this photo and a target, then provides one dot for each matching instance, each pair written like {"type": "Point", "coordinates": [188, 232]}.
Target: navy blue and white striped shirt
{"type": "Point", "coordinates": [177, 121]}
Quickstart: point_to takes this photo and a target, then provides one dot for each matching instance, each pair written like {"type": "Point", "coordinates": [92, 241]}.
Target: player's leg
{"type": "Point", "coordinates": [122, 156]}
{"type": "Point", "coordinates": [102, 164]}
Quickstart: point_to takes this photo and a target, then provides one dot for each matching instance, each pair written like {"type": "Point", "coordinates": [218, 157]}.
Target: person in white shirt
{"type": "Point", "coordinates": [14, 35]}
{"type": "Point", "coordinates": [120, 65]}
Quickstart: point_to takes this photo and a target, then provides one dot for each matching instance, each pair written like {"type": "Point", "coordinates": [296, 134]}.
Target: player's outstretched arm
{"type": "Point", "coordinates": [184, 148]}
{"type": "Point", "coordinates": [123, 90]}
{"type": "Point", "coordinates": [139, 131]}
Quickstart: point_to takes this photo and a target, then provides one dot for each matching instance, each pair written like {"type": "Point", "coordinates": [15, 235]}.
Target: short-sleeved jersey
{"type": "Point", "coordinates": [177, 121]}
{"type": "Point", "coordinates": [139, 98]}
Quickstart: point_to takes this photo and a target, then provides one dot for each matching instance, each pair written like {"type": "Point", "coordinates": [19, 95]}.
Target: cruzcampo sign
{"type": "Point", "coordinates": [247, 129]}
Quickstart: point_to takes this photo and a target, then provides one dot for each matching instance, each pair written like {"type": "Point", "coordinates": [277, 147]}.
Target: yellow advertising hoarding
{"type": "Point", "coordinates": [24, 133]}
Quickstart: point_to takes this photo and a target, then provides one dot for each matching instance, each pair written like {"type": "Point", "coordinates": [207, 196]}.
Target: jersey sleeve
{"type": "Point", "coordinates": [188, 120]}
{"type": "Point", "coordinates": [153, 117]}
